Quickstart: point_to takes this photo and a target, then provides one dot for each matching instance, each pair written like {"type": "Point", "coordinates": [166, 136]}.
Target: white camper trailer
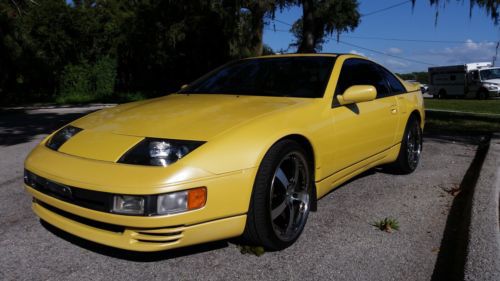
{"type": "Point", "coordinates": [472, 80]}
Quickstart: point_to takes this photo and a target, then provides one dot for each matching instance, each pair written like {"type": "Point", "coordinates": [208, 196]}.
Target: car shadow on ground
{"type": "Point", "coordinates": [21, 126]}
{"type": "Point", "coordinates": [130, 255]}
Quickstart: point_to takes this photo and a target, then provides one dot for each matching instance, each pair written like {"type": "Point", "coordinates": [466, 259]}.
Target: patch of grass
{"type": "Point", "coordinates": [88, 98]}
{"type": "Point", "coordinates": [473, 106]}
{"type": "Point", "coordinates": [75, 99]}
{"type": "Point", "coordinates": [460, 125]}
{"type": "Point", "coordinates": [129, 97]}
{"type": "Point", "coordinates": [387, 224]}
{"type": "Point", "coordinates": [252, 250]}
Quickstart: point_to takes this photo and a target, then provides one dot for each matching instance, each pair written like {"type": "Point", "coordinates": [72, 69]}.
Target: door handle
{"type": "Point", "coordinates": [394, 109]}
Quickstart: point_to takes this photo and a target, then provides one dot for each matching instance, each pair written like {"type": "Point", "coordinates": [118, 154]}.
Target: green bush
{"type": "Point", "coordinates": [87, 82]}
{"type": "Point", "coordinates": [75, 80]}
{"type": "Point", "coordinates": [104, 75]}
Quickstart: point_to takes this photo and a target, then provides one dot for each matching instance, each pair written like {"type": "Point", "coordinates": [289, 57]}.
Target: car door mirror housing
{"type": "Point", "coordinates": [357, 94]}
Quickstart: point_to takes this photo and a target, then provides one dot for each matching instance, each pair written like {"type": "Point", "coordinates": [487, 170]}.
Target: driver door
{"type": "Point", "coordinates": [363, 129]}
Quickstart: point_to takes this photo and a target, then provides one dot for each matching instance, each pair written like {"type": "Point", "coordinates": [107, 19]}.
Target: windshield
{"type": "Point", "coordinates": [488, 74]}
{"type": "Point", "coordinates": [304, 77]}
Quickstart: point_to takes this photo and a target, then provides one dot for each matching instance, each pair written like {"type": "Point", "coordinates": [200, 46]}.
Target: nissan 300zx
{"type": "Point", "coordinates": [244, 151]}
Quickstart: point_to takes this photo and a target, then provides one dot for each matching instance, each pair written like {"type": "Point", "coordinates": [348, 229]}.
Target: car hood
{"type": "Point", "coordinates": [111, 132]}
{"type": "Point", "coordinates": [187, 117]}
{"type": "Point", "coordinates": [494, 81]}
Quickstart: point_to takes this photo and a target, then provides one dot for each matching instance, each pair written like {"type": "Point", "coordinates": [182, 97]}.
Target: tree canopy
{"type": "Point", "coordinates": [53, 49]}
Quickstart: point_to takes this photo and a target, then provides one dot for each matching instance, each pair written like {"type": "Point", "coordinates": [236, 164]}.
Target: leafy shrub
{"type": "Point", "coordinates": [104, 75]}
{"type": "Point", "coordinates": [85, 82]}
{"type": "Point", "coordinates": [76, 80]}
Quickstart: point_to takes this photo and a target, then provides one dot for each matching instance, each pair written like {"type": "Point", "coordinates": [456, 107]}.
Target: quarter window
{"type": "Point", "coordinates": [394, 84]}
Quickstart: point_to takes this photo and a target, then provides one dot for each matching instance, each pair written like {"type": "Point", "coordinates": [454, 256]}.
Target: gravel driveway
{"type": "Point", "coordinates": [339, 242]}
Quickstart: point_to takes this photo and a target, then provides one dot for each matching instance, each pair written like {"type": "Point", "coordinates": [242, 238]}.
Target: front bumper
{"type": "Point", "coordinates": [144, 239]}
{"type": "Point", "coordinates": [223, 216]}
{"type": "Point", "coordinates": [494, 93]}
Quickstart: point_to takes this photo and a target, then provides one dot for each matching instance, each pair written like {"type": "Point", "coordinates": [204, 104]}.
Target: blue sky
{"type": "Point", "coordinates": [474, 39]}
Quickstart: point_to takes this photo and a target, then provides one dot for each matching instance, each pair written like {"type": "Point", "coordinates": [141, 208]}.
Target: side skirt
{"type": "Point", "coordinates": [331, 182]}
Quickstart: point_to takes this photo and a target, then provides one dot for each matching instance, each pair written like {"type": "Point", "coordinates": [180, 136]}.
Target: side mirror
{"type": "Point", "coordinates": [357, 94]}
{"type": "Point", "coordinates": [184, 86]}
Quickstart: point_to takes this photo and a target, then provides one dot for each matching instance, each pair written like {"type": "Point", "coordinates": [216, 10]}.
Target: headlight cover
{"type": "Point", "coordinates": [158, 152]}
{"type": "Point", "coordinates": [128, 204]}
{"type": "Point", "coordinates": [62, 136]}
{"type": "Point", "coordinates": [160, 204]}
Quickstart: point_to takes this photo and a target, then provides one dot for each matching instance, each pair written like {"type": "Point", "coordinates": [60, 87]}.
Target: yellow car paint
{"type": "Point", "coordinates": [238, 131]}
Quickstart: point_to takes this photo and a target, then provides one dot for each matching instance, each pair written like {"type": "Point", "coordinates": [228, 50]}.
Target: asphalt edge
{"type": "Point", "coordinates": [482, 260]}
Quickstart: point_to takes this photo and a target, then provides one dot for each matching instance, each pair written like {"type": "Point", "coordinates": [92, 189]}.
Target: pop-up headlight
{"type": "Point", "coordinates": [158, 152]}
{"type": "Point", "coordinates": [62, 136]}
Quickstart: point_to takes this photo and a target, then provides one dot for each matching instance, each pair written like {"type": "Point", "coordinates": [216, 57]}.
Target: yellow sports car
{"type": "Point", "coordinates": [246, 150]}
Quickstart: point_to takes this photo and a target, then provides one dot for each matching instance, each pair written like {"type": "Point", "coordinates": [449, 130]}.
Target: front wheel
{"type": "Point", "coordinates": [482, 95]}
{"type": "Point", "coordinates": [281, 197]}
{"type": "Point", "coordinates": [411, 148]}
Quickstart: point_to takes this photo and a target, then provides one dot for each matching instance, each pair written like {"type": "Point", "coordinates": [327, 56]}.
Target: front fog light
{"type": "Point", "coordinates": [128, 204]}
{"type": "Point", "coordinates": [182, 201]}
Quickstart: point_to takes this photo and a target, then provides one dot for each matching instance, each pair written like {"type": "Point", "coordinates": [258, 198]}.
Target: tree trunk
{"type": "Point", "coordinates": [257, 29]}
{"type": "Point", "coordinates": [307, 44]}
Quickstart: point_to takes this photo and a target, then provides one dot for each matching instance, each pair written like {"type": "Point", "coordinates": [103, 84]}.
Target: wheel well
{"type": "Point", "coordinates": [416, 114]}
{"type": "Point", "coordinates": [306, 145]}
{"type": "Point", "coordinates": [482, 90]}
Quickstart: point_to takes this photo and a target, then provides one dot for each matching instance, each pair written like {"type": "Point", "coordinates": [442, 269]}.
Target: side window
{"type": "Point", "coordinates": [361, 72]}
{"type": "Point", "coordinates": [394, 84]}
{"type": "Point", "coordinates": [475, 75]}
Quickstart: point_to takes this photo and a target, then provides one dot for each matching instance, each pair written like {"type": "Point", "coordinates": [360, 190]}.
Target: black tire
{"type": "Point", "coordinates": [442, 94]}
{"type": "Point", "coordinates": [482, 95]}
{"type": "Point", "coordinates": [277, 214]}
{"type": "Point", "coordinates": [411, 148]}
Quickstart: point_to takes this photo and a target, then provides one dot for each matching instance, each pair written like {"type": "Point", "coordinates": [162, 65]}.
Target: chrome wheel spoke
{"type": "Point", "coordinates": [279, 209]}
{"type": "Point", "coordinates": [291, 219]}
{"type": "Point", "coordinates": [295, 180]}
{"type": "Point", "coordinates": [280, 175]}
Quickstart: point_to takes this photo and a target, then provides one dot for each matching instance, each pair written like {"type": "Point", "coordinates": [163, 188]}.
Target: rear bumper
{"type": "Point", "coordinates": [146, 239]}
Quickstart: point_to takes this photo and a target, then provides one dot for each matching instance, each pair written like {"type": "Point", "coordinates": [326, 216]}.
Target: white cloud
{"type": "Point", "coordinates": [394, 63]}
{"type": "Point", "coordinates": [467, 52]}
{"type": "Point", "coordinates": [357, 53]}
{"type": "Point", "coordinates": [394, 51]}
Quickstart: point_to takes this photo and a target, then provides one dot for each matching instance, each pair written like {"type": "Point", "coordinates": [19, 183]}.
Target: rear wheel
{"type": "Point", "coordinates": [281, 197]}
{"type": "Point", "coordinates": [411, 148]}
{"type": "Point", "coordinates": [442, 94]}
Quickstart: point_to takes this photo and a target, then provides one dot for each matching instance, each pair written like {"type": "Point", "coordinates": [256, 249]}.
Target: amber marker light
{"type": "Point", "coordinates": [181, 201]}
{"type": "Point", "coordinates": [197, 197]}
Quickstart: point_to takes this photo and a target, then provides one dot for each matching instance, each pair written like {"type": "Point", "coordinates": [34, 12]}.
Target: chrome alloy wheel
{"type": "Point", "coordinates": [290, 196]}
{"type": "Point", "coordinates": [414, 145]}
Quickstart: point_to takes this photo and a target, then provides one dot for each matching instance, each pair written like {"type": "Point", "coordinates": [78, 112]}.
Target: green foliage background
{"type": "Point", "coordinates": [102, 49]}
{"type": "Point", "coordinates": [114, 50]}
